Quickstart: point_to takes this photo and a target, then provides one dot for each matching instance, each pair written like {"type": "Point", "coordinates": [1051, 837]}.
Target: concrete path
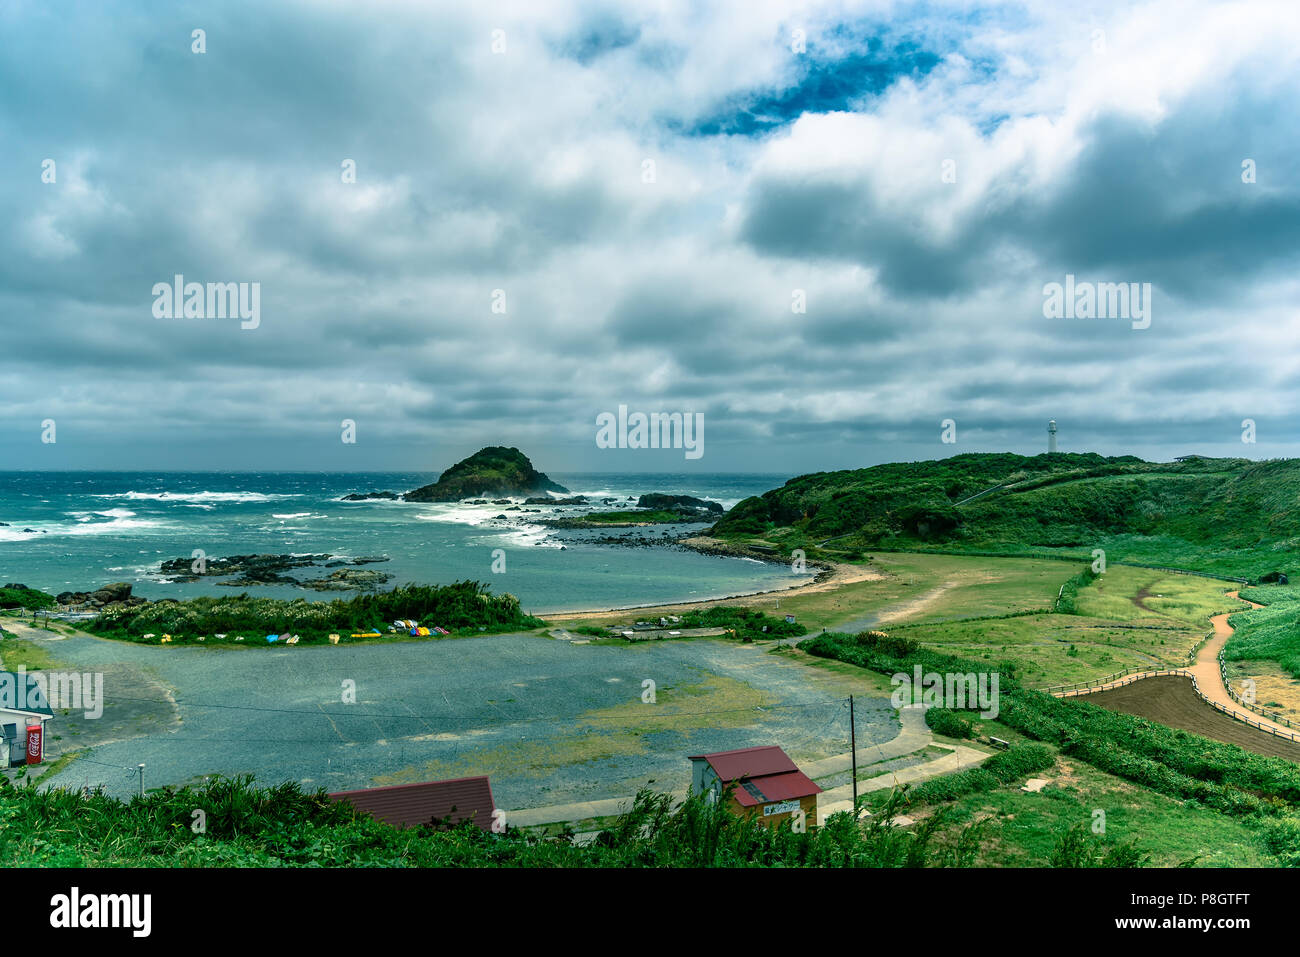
{"type": "Point", "coordinates": [959, 758]}
{"type": "Point", "coordinates": [914, 736]}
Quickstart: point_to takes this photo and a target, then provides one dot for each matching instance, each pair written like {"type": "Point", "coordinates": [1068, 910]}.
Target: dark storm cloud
{"type": "Point", "coordinates": [524, 173]}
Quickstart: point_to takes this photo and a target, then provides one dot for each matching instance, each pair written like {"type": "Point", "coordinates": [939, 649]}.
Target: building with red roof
{"type": "Point", "coordinates": [768, 786]}
{"type": "Point", "coordinates": [431, 802]}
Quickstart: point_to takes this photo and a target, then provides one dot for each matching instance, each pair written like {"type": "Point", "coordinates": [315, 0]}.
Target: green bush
{"type": "Point", "coordinates": [1020, 761]}
{"type": "Point", "coordinates": [463, 605]}
{"type": "Point", "coordinates": [1065, 604]}
{"type": "Point", "coordinates": [1281, 838]}
{"type": "Point", "coordinates": [1164, 759]}
{"type": "Point", "coordinates": [20, 596]}
{"type": "Point", "coordinates": [950, 787]}
{"type": "Point", "coordinates": [748, 624]}
{"type": "Point", "coordinates": [1077, 847]}
{"type": "Point", "coordinates": [286, 827]}
{"type": "Point", "coordinates": [946, 722]}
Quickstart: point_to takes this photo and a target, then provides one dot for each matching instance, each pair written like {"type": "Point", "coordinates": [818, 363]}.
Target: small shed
{"type": "Point", "coordinates": [769, 786]}
{"type": "Point", "coordinates": [22, 705]}
{"type": "Point", "coordinates": [430, 802]}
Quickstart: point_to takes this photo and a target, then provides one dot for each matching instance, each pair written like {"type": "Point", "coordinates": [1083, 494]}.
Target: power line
{"type": "Point", "coordinates": [435, 717]}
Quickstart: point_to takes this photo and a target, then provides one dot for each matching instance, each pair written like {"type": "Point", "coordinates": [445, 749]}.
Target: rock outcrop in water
{"type": "Point", "coordinates": [661, 500]}
{"type": "Point", "coordinates": [493, 471]}
{"type": "Point", "coordinates": [108, 595]}
{"type": "Point", "coordinates": [270, 569]}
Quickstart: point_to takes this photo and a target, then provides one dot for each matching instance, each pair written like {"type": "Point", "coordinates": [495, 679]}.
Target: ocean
{"type": "Point", "coordinates": [76, 531]}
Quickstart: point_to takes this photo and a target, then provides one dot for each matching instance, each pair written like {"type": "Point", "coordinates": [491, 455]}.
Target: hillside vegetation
{"type": "Point", "coordinates": [463, 605]}
{"type": "Point", "coordinates": [283, 826]}
{"type": "Point", "coordinates": [491, 471]}
{"type": "Point", "coordinates": [1226, 516]}
{"type": "Point", "coordinates": [1267, 633]}
{"type": "Point", "coordinates": [20, 596]}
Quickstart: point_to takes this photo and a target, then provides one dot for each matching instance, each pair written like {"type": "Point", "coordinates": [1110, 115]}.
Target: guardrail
{"type": "Point", "coordinates": [1271, 715]}
{"type": "Point", "coordinates": [1217, 706]}
{"type": "Point", "coordinates": [1241, 717]}
{"type": "Point", "coordinates": [1132, 677]}
{"type": "Point", "coordinates": [1145, 671]}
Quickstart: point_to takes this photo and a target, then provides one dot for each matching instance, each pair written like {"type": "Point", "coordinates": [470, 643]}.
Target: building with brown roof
{"type": "Point", "coordinates": [768, 786]}
{"type": "Point", "coordinates": [431, 802]}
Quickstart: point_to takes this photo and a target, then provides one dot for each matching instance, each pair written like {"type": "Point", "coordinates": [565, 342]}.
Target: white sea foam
{"type": "Point", "coordinates": [456, 513]}
{"type": "Point", "coordinates": [113, 526]}
{"type": "Point", "coordinates": [110, 513]}
{"type": "Point", "coordinates": [201, 497]}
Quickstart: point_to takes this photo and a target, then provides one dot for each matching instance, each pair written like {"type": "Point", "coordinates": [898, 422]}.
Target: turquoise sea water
{"type": "Point", "coordinates": [74, 531]}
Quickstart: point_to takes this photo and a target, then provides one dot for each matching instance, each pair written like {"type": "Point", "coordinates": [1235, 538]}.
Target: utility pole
{"type": "Point", "coordinates": [140, 768]}
{"type": "Point", "coordinates": [853, 747]}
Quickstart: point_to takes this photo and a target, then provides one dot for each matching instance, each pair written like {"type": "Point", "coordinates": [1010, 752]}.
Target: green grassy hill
{"type": "Point", "coordinates": [1228, 516]}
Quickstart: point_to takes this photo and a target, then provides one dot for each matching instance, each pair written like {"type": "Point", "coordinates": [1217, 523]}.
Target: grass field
{"type": "Point", "coordinates": [1000, 610]}
{"type": "Point", "coordinates": [15, 652]}
{"type": "Point", "coordinates": [1025, 827]}
{"type": "Point", "coordinates": [908, 585]}
{"type": "Point", "coordinates": [1128, 618]}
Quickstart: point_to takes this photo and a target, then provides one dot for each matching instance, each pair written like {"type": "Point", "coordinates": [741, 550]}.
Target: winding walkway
{"type": "Point", "coordinates": [1206, 676]}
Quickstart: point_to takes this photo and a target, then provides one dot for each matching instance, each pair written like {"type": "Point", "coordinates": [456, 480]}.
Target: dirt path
{"type": "Point", "coordinates": [835, 577]}
{"type": "Point", "coordinates": [1208, 677]}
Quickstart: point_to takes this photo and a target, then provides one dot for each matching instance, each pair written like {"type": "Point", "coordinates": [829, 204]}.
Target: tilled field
{"type": "Point", "coordinates": [1172, 701]}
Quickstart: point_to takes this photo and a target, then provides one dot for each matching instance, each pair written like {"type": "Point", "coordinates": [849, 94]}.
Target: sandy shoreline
{"type": "Point", "coordinates": [828, 577]}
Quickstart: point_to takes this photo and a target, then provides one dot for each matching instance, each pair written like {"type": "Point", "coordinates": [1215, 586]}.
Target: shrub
{"type": "Point", "coordinates": [946, 722]}
{"type": "Point", "coordinates": [20, 596]}
{"type": "Point", "coordinates": [1019, 762]}
{"type": "Point", "coordinates": [462, 605]}
{"type": "Point", "coordinates": [1076, 847]}
{"type": "Point", "coordinates": [748, 624]}
{"type": "Point", "coordinates": [1161, 758]}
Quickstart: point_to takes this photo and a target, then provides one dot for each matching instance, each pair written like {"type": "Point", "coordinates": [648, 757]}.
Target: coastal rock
{"type": "Point", "coordinates": [256, 569]}
{"type": "Point", "coordinates": [492, 471]}
{"type": "Point", "coordinates": [348, 579]}
{"type": "Point", "coordinates": [117, 591]}
{"type": "Point", "coordinates": [547, 500]}
{"type": "Point", "coordinates": [363, 496]}
{"type": "Point", "coordinates": [662, 500]}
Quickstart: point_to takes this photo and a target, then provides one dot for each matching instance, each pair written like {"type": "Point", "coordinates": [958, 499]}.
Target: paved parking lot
{"type": "Point", "coordinates": [550, 721]}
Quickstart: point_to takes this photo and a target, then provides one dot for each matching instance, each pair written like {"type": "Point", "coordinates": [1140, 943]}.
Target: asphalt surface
{"type": "Point", "coordinates": [549, 721]}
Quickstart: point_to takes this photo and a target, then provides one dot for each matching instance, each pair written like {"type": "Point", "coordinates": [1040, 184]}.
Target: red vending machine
{"type": "Point", "coordinates": [34, 743]}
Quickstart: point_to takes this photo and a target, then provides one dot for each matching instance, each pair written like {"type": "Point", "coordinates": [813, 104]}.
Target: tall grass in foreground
{"type": "Point", "coordinates": [282, 826]}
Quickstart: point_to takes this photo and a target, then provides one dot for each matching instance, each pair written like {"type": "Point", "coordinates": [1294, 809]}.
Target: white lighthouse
{"type": "Point", "coordinates": [1051, 436]}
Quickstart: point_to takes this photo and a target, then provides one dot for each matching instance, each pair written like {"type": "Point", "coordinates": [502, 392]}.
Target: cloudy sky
{"type": "Point", "coordinates": [646, 192]}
